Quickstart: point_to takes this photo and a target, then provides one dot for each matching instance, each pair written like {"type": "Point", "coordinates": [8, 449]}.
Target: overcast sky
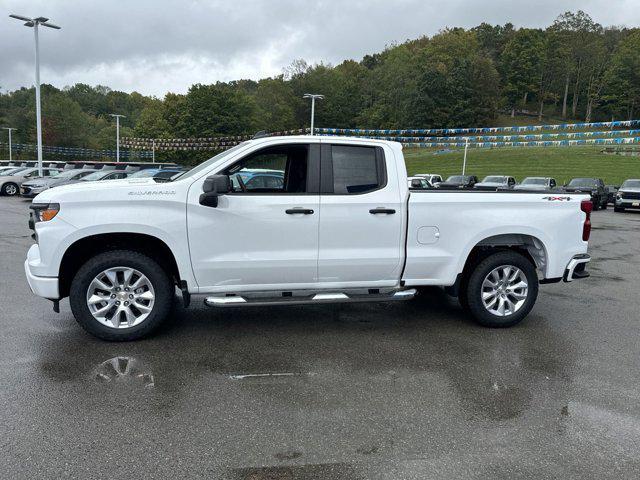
{"type": "Point", "coordinates": [155, 46]}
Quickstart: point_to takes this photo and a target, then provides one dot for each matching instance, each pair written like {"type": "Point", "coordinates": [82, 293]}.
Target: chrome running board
{"type": "Point", "coordinates": [291, 298]}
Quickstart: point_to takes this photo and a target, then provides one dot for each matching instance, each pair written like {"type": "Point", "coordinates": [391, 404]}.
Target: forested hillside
{"type": "Point", "coordinates": [574, 69]}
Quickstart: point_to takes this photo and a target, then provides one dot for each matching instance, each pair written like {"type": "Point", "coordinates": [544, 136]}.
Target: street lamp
{"type": "Point", "coordinates": [35, 22]}
{"type": "Point", "coordinates": [117, 117]}
{"type": "Point", "coordinates": [313, 97]}
{"type": "Point", "coordinates": [9, 128]}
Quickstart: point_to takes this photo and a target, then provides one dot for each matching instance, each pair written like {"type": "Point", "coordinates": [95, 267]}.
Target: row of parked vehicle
{"type": "Point", "coordinates": [23, 178]}
{"type": "Point", "coordinates": [622, 197]}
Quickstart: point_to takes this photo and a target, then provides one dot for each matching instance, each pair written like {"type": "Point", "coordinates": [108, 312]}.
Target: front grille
{"type": "Point", "coordinates": [630, 195]}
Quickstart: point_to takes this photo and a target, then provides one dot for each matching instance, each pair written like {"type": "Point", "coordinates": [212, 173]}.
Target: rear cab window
{"type": "Point", "coordinates": [352, 169]}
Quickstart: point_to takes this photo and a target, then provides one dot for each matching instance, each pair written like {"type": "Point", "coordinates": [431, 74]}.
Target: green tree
{"type": "Point", "coordinates": [522, 63]}
{"type": "Point", "coordinates": [623, 76]}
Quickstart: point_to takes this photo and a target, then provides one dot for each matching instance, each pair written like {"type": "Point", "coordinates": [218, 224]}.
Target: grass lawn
{"type": "Point", "coordinates": [562, 163]}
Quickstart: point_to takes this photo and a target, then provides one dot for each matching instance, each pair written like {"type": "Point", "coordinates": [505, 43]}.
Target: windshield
{"type": "Point", "coordinates": [94, 176]}
{"type": "Point", "coordinates": [582, 182]}
{"type": "Point", "coordinates": [631, 184]}
{"type": "Point", "coordinates": [204, 165]}
{"type": "Point", "coordinates": [149, 172]}
{"type": "Point", "coordinates": [493, 179]}
{"type": "Point", "coordinates": [66, 174]}
{"type": "Point", "coordinates": [456, 178]}
{"type": "Point", "coordinates": [13, 170]}
{"type": "Point", "coordinates": [534, 181]}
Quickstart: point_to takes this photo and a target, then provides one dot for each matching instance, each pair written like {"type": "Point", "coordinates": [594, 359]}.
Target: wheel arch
{"type": "Point", "coordinates": [528, 245]}
{"type": "Point", "coordinates": [86, 247]}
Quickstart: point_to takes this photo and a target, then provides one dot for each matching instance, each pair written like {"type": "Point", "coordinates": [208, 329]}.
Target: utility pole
{"type": "Point", "coordinates": [153, 151]}
{"type": "Point", "coordinates": [117, 117]}
{"type": "Point", "coordinates": [10, 129]}
{"type": "Point", "coordinates": [313, 97]}
{"type": "Point", "coordinates": [34, 23]}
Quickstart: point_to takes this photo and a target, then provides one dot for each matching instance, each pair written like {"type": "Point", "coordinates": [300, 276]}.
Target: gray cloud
{"type": "Point", "coordinates": [159, 46]}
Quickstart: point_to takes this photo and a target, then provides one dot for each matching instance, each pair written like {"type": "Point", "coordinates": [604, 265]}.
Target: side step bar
{"type": "Point", "coordinates": [315, 298]}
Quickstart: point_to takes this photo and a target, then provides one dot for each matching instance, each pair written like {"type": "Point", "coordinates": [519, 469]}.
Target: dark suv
{"type": "Point", "coordinates": [593, 186]}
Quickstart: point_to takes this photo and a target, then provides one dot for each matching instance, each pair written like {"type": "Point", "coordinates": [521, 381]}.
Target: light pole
{"type": "Point", "coordinates": [117, 117]}
{"type": "Point", "coordinates": [35, 22]}
{"type": "Point", "coordinates": [464, 162]}
{"type": "Point", "coordinates": [313, 97]}
{"type": "Point", "coordinates": [9, 128]}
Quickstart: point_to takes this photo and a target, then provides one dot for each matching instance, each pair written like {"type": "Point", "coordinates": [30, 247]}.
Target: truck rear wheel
{"type": "Point", "coordinates": [501, 290]}
{"type": "Point", "coordinates": [121, 295]}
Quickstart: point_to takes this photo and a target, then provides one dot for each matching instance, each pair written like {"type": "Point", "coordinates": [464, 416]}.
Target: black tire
{"type": "Point", "coordinates": [596, 203]}
{"type": "Point", "coordinates": [473, 291]}
{"type": "Point", "coordinates": [162, 285]}
{"type": "Point", "coordinates": [10, 189]}
{"type": "Point", "coordinates": [605, 204]}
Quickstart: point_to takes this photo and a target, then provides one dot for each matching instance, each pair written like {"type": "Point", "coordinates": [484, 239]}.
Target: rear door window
{"type": "Point", "coordinates": [355, 170]}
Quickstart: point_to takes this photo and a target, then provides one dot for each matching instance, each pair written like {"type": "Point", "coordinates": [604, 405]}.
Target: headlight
{"type": "Point", "coordinates": [43, 212]}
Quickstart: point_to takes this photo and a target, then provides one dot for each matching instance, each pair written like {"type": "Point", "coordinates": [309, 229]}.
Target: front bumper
{"type": "Point", "coordinates": [46, 287]}
{"type": "Point", "coordinates": [577, 268]}
{"type": "Point", "coordinates": [627, 202]}
{"type": "Point", "coordinates": [29, 192]}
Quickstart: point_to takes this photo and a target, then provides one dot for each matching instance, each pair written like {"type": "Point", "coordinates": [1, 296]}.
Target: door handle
{"type": "Point", "coordinates": [376, 211]}
{"type": "Point", "coordinates": [298, 211]}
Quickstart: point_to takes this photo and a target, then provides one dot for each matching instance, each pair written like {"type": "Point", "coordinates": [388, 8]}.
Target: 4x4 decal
{"type": "Point", "coordinates": [557, 199]}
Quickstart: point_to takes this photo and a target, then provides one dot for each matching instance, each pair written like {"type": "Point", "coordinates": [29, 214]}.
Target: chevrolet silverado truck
{"type": "Point", "coordinates": [628, 195]}
{"type": "Point", "coordinates": [342, 226]}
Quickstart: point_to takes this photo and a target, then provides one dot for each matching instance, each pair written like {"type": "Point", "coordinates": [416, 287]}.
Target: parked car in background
{"type": "Point", "coordinates": [167, 175]}
{"type": "Point", "coordinates": [612, 190]}
{"type": "Point", "coordinates": [11, 181]}
{"type": "Point", "coordinates": [593, 186]}
{"type": "Point", "coordinates": [6, 170]}
{"type": "Point", "coordinates": [433, 178]}
{"type": "Point", "coordinates": [158, 174]}
{"type": "Point", "coordinates": [33, 187]}
{"type": "Point", "coordinates": [495, 182]}
{"type": "Point", "coordinates": [97, 175]}
{"type": "Point", "coordinates": [258, 179]}
{"type": "Point", "coordinates": [537, 183]}
{"type": "Point", "coordinates": [459, 181]}
{"type": "Point", "coordinates": [418, 183]}
{"type": "Point", "coordinates": [106, 175]}
{"type": "Point", "coordinates": [628, 195]}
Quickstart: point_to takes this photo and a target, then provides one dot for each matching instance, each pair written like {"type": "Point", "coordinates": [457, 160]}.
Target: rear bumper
{"type": "Point", "coordinates": [46, 287]}
{"type": "Point", "coordinates": [577, 268]}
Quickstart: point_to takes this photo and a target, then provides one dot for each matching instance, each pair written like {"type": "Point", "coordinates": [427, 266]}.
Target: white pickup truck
{"type": "Point", "coordinates": [290, 220]}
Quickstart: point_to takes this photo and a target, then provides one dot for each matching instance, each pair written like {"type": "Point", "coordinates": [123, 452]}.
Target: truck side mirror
{"type": "Point", "coordinates": [214, 186]}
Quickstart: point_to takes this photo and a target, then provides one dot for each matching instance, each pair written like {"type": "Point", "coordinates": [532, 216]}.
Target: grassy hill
{"type": "Point", "coordinates": [561, 163]}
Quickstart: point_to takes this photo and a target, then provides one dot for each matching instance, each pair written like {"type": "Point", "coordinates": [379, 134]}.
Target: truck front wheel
{"type": "Point", "coordinates": [502, 289]}
{"type": "Point", "coordinates": [121, 295]}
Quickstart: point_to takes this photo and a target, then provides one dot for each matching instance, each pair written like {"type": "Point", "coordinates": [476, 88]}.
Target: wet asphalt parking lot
{"type": "Point", "coordinates": [398, 391]}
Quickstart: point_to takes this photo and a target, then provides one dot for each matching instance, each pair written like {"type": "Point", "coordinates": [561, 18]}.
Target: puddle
{"type": "Point", "coordinates": [124, 371]}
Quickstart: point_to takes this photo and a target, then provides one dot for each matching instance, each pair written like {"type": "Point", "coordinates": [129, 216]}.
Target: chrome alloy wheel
{"type": "Point", "coordinates": [504, 290]}
{"type": "Point", "coordinates": [120, 297]}
{"type": "Point", "coordinates": [11, 189]}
